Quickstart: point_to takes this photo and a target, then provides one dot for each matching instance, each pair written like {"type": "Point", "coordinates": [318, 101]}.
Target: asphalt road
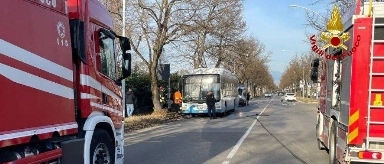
{"type": "Point", "coordinates": [265, 132]}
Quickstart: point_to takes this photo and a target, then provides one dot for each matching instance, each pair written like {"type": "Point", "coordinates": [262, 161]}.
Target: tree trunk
{"type": "Point", "coordinates": [154, 88]}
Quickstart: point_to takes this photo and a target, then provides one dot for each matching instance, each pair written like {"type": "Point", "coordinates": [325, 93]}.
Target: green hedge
{"type": "Point", "coordinates": [141, 86]}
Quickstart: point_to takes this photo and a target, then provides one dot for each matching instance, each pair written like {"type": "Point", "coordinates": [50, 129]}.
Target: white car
{"type": "Point", "coordinates": [289, 97]}
{"type": "Point", "coordinates": [268, 94]}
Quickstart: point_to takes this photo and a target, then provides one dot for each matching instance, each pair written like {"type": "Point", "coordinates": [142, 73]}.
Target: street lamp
{"type": "Point", "coordinates": [303, 82]}
{"type": "Point", "coordinates": [308, 9]}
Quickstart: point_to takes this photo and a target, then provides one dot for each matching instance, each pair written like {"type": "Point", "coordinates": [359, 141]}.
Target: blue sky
{"type": "Point", "coordinates": [280, 27]}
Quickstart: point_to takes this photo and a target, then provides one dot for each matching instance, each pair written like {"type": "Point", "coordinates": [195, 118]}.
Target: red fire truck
{"type": "Point", "coordinates": [350, 119]}
{"type": "Point", "coordinates": [60, 92]}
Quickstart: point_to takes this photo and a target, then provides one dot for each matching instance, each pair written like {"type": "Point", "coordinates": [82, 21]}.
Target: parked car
{"type": "Point", "coordinates": [281, 94]}
{"type": "Point", "coordinates": [267, 94]}
{"type": "Point", "coordinates": [289, 97]}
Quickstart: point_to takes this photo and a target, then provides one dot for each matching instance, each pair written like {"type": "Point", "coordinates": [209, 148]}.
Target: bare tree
{"type": "Point", "coordinates": [153, 25]}
{"type": "Point", "coordinates": [217, 24]}
{"type": "Point", "coordinates": [298, 69]}
{"type": "Point", "coordinates": [196, 31]}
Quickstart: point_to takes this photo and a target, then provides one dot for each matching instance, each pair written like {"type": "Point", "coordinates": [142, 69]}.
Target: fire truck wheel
{"type": "Point", "coordinates": [102, 151]}
{"type": "Point", "coordinates": [332, 145]}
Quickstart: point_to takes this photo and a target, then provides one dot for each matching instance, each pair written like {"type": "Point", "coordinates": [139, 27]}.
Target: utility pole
{"type": "Point", "coordinates": [304, 82]}
{"type": "Point", "coordinates": [123, 81]}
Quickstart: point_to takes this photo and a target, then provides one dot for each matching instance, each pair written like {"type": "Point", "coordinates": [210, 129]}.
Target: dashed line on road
{"type": "Point", "coordinates": [237, 146]}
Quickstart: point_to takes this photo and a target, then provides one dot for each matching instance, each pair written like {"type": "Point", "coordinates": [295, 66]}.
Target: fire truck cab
{"type": "Point", "coordinates": [60, 83]}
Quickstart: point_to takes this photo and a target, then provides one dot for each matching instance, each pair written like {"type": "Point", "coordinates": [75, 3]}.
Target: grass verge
{"type": "Point", "coordinates": [307, 100]}
{"type": "Point", "coordinates": [158, 117]}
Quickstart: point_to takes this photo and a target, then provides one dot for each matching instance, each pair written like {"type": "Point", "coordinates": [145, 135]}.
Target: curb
{"type": "Point", "coordinates": [307, 102]}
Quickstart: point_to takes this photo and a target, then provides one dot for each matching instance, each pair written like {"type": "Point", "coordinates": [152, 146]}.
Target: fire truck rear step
{"type": "Point", "coordinates": [378, 57]}
{"type": "Point", "coordinates": [377, 41]}
{"type": "Point", "coordinates": [376, 123]}
{"type": "Point", "coordinates": [377, 74]}
{"type": "Point", "coordinates": [373, 106]}
{"type": "Point", "coordinates": [375, 139]}
{"type": "Point", "coordinates": [376, 90]}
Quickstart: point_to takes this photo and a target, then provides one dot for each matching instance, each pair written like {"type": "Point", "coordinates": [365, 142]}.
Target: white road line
{"type": "Point", "coordinates": [237, 146]}
{"type": "Point", "coordinates": [225, 162]}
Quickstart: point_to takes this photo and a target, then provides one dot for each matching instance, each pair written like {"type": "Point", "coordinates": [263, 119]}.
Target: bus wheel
{"type": "Point", "coordinates": [234, 105]}
{"type": "Point", "coordinates": [225, 111]}
{"type": "Point", "coordinates": [332, 144]}
{"type": "Point", "coordinates": [102, 150]}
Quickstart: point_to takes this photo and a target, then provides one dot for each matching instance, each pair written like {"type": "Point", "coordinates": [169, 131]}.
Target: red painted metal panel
{"type": "Point", "coordinates": [376, 131]}
{"type": "Point", "coordinates": [377, 114]}
{"type": "Point", "coordinates": [35, 71]}
{"type": "Point", "coordinates": [379, 49]}
{"type": "Point", "coordinates": [38, 40]}
{"type": "Point", "coordinates": [90, 11]}
{"type": "Point", "coordinates": [55, 5]}
{"type": "Point", "coordinates": [360, 75]}
{"type": "Point", "coordinates": [39, 36]}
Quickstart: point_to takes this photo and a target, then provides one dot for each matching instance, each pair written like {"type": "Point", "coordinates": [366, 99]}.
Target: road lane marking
{"type": "Point", "coordinates": [225, 162]}
{"type": "Point", "coordinates": [237, 146]}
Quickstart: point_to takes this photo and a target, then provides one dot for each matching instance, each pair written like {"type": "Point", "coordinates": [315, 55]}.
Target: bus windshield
{"type": "Point", "coordinates": [196, 87]}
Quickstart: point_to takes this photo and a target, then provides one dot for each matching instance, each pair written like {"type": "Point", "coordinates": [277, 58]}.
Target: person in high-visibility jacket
{"type": "Point", "coordinates": [177, 100]}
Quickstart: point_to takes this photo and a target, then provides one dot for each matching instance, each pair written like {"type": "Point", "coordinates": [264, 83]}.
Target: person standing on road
{"type": "Point", "coordinates": [248, 96]}
{"type": "Point", "coordinates": [130, 100]}
{"type": "Point", "coordinates": [177, 100]}
{"type": "Point", "coordinates": [210, 100]}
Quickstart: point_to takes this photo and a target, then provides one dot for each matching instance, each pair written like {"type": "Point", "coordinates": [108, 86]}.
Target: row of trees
{"type": "Point", "coordinates": [204, 33]}
{"type": "Point", "coordinates": [299, 69]}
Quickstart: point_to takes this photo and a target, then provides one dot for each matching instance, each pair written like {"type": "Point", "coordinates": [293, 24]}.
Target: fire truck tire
{"type": "Point", "coordinates": [319, 143]}
{"type": "Point", "coordinates": [102, 149]}
{"type": "Point", "coordinates": [332, 144]}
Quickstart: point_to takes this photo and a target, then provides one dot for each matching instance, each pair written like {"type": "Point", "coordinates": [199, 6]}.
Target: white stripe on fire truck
{"type": "Point", "coordinates": [106, 108]}
{"type": "Point", "coordinates": [38, 130]}
{"type": "Point", "coordinates": [89, 81]}
{"type": "Point", "coordinates": [88, 96]}
{"type": "Point", "coordinates": [33, 81]}
{"type": "Point", "coordinates": [17, 53]}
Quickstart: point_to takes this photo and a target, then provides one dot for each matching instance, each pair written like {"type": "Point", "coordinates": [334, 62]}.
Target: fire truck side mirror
{"type": "Point", "coordinates": [125, 44]}
{"type": "Point", "coordinates": [126, 67]}
{"type": "Point", "coordinates": [126, 63]}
